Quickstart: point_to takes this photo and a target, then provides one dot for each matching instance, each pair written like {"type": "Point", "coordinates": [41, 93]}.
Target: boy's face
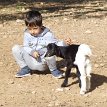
{"type": "Point", "coordinates": [34, 30]}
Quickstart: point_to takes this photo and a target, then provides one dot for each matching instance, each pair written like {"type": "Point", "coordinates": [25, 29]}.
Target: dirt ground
{"type": "Point", "coordinates": [83, 23]}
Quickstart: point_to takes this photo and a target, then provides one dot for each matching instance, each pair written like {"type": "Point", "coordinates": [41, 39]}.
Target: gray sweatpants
{"type": "Point", "coordinates": [24, 59]}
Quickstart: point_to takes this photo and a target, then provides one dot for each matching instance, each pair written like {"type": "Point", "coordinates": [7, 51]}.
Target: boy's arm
{"type": "Point", "coordinates": [66, 41]}
{"type": "Point", "coordinates": [26, 45]}
{"type": "Point", "coordinates": [49, 38]}
{"type": "Point", "coordinates": [52, 39]}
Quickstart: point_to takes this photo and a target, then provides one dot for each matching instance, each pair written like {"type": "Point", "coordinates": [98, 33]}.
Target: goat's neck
{"type": "Point", "coordinates": [59, 52]}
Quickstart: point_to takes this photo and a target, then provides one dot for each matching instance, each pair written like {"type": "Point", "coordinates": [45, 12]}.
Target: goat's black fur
{"type": "Point", "coordinates": [68, 53]}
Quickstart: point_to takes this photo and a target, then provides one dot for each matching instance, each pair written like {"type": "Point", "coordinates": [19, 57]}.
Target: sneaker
{"type": "Point", "coordinates": [23, 72]}
{"type": "Point", "coordinates": [57, 74]}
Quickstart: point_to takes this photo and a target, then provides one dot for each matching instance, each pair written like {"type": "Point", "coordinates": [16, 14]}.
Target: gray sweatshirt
{"type": "Point", "coordinates": [38, 43]}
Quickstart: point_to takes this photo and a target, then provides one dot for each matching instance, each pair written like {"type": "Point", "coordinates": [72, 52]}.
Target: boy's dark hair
{"type": "Point", "coordinates": [33, 18]}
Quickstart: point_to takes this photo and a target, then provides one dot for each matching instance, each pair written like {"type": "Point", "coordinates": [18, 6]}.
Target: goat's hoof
{"type": "Point", "coordinates": [80, 85]}
{"type": "Point", "coordinates": [82, 92]}
{"type": "Point", "coordinates": [63, 85]}
{"type": "Point", "coordinates": [88, 90]}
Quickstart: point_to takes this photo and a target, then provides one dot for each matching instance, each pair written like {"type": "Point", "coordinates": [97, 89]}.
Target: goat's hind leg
{"type": "Point", "coordinates": [88, 71]}
{"type": "Point", "coordinates": [78, 74]}
{"type": "Point", "coordinates": [82, 78]}
{"type": "Point", "coordinates": [88, 85]}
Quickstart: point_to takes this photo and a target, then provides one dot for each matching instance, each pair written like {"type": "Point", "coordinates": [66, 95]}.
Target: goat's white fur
{"type": "Point", "coordinates": [82, 60]}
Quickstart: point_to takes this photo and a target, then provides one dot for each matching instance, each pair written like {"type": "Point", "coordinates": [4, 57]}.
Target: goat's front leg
{"type": "Point", "coordinates": [67, 73]}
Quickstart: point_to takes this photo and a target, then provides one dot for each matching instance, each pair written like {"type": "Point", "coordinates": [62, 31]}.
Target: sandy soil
{"type": "Point", "coordinates": [41, 89]}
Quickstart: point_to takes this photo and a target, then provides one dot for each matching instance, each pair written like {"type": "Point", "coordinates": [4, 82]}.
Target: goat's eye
{"type": "Point", "coordinates": [50, 48]}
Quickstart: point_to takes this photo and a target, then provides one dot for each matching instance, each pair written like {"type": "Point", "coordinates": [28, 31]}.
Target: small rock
{"type": "Point", "coordinates": [88, 32]}
{"type": "Point", "coordinates": [65, 19]}
{"type": "Point", "coordinates": [12, 96]}
{"type": "Point", "coordinates": [5, 36]}
{"type": "Point", "coordinates": [96, 25]}
{"type": "Point", "coordinates": [18, 20]}
{"type": "Point", "coordinates": [51, 104]}
{"type": "Point", "coordinates": [1, 25]}
{"type": "Point", "coordinates": [59, 89]}
{"type": "Point", "coordinates": [4, 10]}
{"type": "Point", "coordinates": [11, 64]}
{"type": "Point", "coordinates": [42, 3]}
{"type": "Point", "coordinates": [54, 98]}
{"type": "Point", "coordinates": [52, 89]}
{"type": "Point", "coordinates": [11, 82]}
{"type": "Point", "coordinates": [23, 9]}
{"type": "Point", "coordinates": [57, 103]}
{"type": "Point", "coordinates": [102, 65]}
{"type": "Point", "coordinates": [33, 92]}
{"type": "Point", "coordinates": [67, 88]}
{"type": "Point", "coordinates": [1, 63]}
{"type": "Point", "coordinates": [96, 65]}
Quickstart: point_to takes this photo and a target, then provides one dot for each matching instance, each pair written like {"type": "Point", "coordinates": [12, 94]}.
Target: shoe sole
{"type": "Point", "coordinates": [20, 76]}
{"type": "Point", "coordinates": [59, 77]}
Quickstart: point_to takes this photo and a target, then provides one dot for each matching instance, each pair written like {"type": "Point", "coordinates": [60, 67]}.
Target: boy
{"type": "Point", "coordinates": [30, 56]}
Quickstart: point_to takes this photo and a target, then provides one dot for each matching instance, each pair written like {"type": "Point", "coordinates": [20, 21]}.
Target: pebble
{"type": "Point", "coordinates": [18, 20]}
{"type": "Point", "coordinates": [102, 64]}
{"type": "Point", "coordinates": [54, 98]}
{"type": "Point", "coordinates": [23, 9]}
{"type": "Point", "coordinates": [11, 64]}
{"type": "Point", "coordinates": [59, 89]}
{"type": "Point", "coordinates": [57, 103]}
{"type": "Point", "coordinates": [4, 37]}
{"type": "Point", "coordinates": [96, 65]}
{"type": "Point", "coordinates": [88, 32]}
{"type": "Point", "coordinates": [65, 19]}
{"type": "Point", "coordinates": [67, 88]}
{"type": "Point", "coordinates": [1, 25]}
{"type": "Point", "coordinates": [33, 92]}
{"type": "Point", "coordinates": [1, 63]}
{"type": "Point", "coordinates": [51, 104]}
{"type": "Point", "coordinates": [11, 82]}
{"type": "Point", "coordinates": [42, 3]}
{"type": "Point", "coordinates": [52, 89]}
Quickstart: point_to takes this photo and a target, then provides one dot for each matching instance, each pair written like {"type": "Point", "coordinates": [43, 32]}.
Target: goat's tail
{"type": "Point", "coordinates": [85, 50]}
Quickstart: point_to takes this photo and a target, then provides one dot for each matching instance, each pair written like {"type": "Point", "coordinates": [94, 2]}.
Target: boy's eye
{"type": "Point", "coordinates": [30, 28]}
{"type": "Point", "coordinates": [35, 28]}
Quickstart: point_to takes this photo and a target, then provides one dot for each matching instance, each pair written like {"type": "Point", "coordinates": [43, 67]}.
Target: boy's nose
{"type": "Point", "coordinates": [32, 31]}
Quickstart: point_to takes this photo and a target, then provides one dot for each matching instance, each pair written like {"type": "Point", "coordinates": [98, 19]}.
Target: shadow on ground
{"type": "Point", "coordinates": [71, 8]}
{"type": "Point", "coordinates": [96, 79]}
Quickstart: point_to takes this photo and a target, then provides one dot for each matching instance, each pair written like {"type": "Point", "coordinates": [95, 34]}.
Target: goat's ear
{"type": "Point", "coordinates": [49, 46]}
{"type": "Point", "coordinates": [56, 50]}
{"type": "Point", "coordinates": [54, 45]}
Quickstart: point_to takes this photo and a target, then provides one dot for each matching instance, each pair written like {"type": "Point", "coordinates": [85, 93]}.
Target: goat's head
{"type": "Point", "coordinates": [51, 50]}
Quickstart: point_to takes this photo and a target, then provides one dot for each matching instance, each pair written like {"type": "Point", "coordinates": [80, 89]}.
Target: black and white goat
{"type": "Point", "coordinates": [78, 55]}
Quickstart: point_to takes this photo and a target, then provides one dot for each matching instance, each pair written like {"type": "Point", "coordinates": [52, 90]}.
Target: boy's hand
{"type": "Point", "coordinates": [68, 41]}
{"type": "Point", "coordinates": [36, 54]}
